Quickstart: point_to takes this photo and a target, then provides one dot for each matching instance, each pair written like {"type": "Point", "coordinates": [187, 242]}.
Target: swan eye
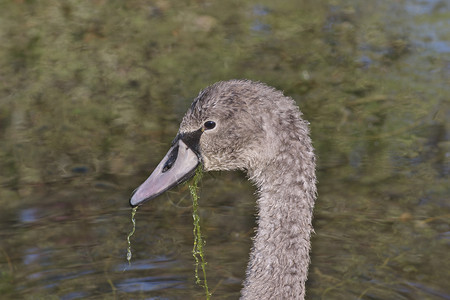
{"type": "Point", "coordinates": [209, 125]}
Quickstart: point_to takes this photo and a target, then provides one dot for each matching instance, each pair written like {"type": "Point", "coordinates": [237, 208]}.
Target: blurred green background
{"type": "Point", "coordinates": [92, 93]}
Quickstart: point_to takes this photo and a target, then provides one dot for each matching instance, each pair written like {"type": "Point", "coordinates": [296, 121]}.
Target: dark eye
{"type": "Point", "coordinates": [209, 125]}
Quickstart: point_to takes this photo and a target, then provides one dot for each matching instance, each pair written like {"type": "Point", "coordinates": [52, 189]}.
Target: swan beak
{"type": "Point", "coordinates": [177, 166]}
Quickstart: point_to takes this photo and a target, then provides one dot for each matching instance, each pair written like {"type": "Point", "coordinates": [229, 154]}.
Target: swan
{"type": "Point", "coordinates": [250, 126]}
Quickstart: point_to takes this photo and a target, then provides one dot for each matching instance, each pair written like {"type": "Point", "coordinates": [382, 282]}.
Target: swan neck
{"type": "Point", "coordinates": [279, 258]}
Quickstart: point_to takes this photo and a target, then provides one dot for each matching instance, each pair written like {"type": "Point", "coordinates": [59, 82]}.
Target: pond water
{"type": "Point", "coordinates": [92, 94]}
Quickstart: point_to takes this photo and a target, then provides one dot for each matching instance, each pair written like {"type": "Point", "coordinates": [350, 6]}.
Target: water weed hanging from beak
{"type": "Point", "coordinates": [197, 250]}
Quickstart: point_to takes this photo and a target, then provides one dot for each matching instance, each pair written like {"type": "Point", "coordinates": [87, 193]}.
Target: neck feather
{"type": "Point", "coordinates": [279, 259]}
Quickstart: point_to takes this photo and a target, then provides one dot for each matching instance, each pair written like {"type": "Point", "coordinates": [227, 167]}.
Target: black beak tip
{"type": "Point", "coordinates": [131, 196]}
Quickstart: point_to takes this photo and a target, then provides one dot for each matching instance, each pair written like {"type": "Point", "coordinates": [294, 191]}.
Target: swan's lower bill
{"type": "Point", "coordinates": [177, 166]}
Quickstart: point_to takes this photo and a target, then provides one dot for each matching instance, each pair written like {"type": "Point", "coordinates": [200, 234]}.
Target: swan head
{"type": "Point", "coordinates": [228, 127]}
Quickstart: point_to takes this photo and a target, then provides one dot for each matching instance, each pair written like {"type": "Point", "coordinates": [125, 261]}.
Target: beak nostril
{"type": "Point", "coordinates": [167, 166]}
{"type": "Point", "coordinates": [171, 160]}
